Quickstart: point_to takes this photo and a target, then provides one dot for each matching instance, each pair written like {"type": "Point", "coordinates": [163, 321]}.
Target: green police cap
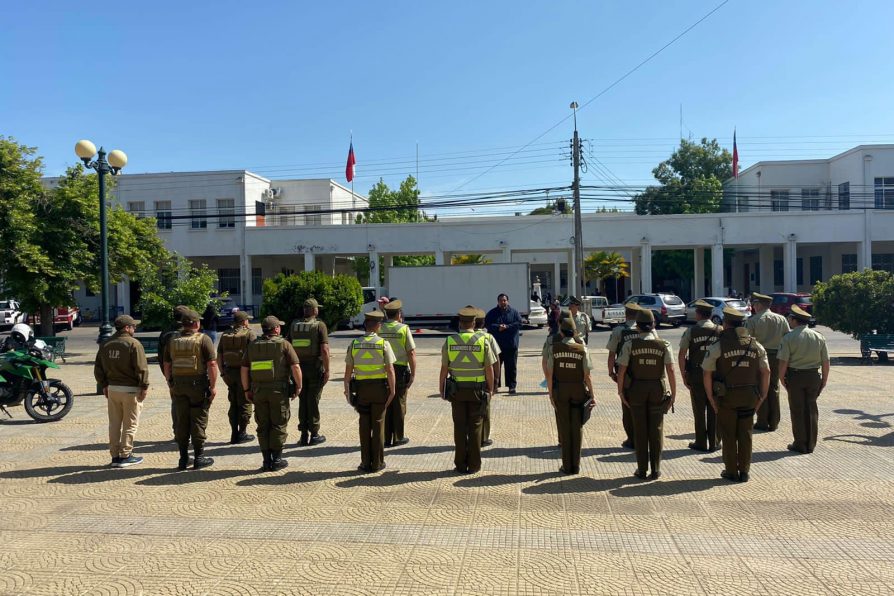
{"type": "Point", "coordinates": [393, 306]}
{"type": "Point", "coordinates": [574, 300]}
{"type": "Point", "coordinates": [124, 321]}
{"type": "Point", "coordinates": [374, 315]}
{"type": "Point", "coordinates": [241, 316]}
{"type": "Point", "coordinates": [732, 314]}
{"type": "Point", "coordinates": [270, 323]}
{"type": "Point", "coordinates": [756, 297]}
{"type": "Point", "coordinates": [800, 314]}
{"type": "Point", "coordinates": [631, 308]}
{"type": "Point", "coordinates": [311, 303]}
{"type": "Point", "coordinates": [703, 307]}
{"type": "Point", "coordinates": [645, 315]}
{"type": "Point", "coordinates": [468, 312]}
{"type": "Point", "coordinates": [190, 317]}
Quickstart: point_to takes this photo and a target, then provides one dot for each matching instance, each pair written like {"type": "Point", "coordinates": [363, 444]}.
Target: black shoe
{"type": "Point", "coordinates": [317, 439]}
{"type": "Point", "coordinates": [388, 444]}
{"type": "Point", "coordinates": [713, 448]}
{"type": "Point", "coordinates": [697, 447]}
{"type": "Point", "coordinates": [772, 429]}
{"type": "Point", "coordinates": [460, 469]}
{"type": "Point", "coordinates": [184, 460]}
{"type": "Point", "coordinates": [512, 391]}
{"type": "Point", "coordinates": [200, 461]}
{"type": "Point", "coordinates": [277, 462]}
{"type": "Point", "coordinates": [473, 470]}
{"type": "Point", "coordinates": [731, 476]}
{"type": "Point", "coordinates": [487, 442]}
{"type": "Point", "coordinates": [363, 468]}
{"type": "Point", "coordinates": [400, 442]}
{"type": "Point", "coordinates": [265, 466]}
{"type": "Point", "coordinates": [303, 441]}
{"type": "Point", "coordinates": [743, 476]}
{"type": "Point", "coordinates": [244, 437]}
{"type": "Point", "coordinates": [569, 471]}
{"type": "Point", "coordinates": [627, 444]}
{"type": "Point", "coordinates": [761, 427]}
{"type": "Point", "coordinates": [655, 475]}
{"type": "Point", "coordinates": [575, 470]}
{"type": "Point", "coordinates": [794, 448]}
{"type": "Point", "coordinates": [641, 474]}
{"type": "Point", "coordinates": [378, 468]}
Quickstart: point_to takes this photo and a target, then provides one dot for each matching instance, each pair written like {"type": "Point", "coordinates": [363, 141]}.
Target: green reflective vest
{"type": "Point", "coordinates": [368, 354]}
{"type": "Point", "coordinates": [396, 334]}
{"type": "Point", "coordinates": [465, 356]}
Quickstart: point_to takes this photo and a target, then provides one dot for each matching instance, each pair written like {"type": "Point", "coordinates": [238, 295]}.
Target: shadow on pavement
{"type": "Point", "coordinates": [138, 447]}
{"type": "Point", "coordinates": [92, 476]}
{"type": "Point", "coordinates": [501, 479]}
{"type": "Point", "coordinates": [666, 488]}
{"type": "Point", "coordinates": [865, 440]}
{"type": "Point", "coordinates": [756, 457]}
{"type": "Point", "coordinates": [666, 454]}
{"type": "Point", "coordinates": [292, 477]}
{"type": "Point", "coordinates": [308, 451]}
{"type": "Point", "coordinates": [172, 477]}
{"type": "Point", "coordinates": [577, 484]}
{"type": "Point", "coordinates": [393, 478]}
{"type": "Point", "coordinates": [44, 472]}
{"type": "Point", "coordinates": [416, 449]}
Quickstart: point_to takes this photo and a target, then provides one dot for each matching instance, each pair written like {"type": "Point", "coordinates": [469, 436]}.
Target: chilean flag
{"type": "Point", "coordinates": [735, 157]}
{"type": "Point", "coordinates": [349, 168]}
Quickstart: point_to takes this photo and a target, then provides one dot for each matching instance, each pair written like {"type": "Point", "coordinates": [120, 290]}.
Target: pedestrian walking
{"type": "Point", "coordinates": [504, 323]}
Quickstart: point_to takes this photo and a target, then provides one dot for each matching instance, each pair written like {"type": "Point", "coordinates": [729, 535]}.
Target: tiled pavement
{"type": "Point", "coordinates": [818, 524]}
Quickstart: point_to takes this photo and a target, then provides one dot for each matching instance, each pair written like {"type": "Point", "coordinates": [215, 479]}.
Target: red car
{"type": "Point", "coordinates": [782, 304]}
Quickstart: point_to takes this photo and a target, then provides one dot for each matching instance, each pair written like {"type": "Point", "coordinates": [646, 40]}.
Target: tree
{"type": "Point", "coordinates": [857, 303]}
{"type": "Point", "coordinates": [553, 207]}
{"type": "Point", "coordinates": [341, 296]}
{"type": "Point", "coordinates": [393, 206]}
{"type": "Point", "coordinates": [469, 260]}
{"type": "Point", "coordinates": [691, 180]}
{"type": "Point", "coordinates": [175, 281]}
{"type": "Point", "coordinates": [604, 265]}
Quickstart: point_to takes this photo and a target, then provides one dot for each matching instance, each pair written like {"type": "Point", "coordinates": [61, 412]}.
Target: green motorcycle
{"type": "Point", "coordinates": [23, 379]}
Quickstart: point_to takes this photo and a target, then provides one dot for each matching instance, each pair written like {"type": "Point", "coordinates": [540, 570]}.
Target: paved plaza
{"type": "Point", "coordinates": [804, 524]}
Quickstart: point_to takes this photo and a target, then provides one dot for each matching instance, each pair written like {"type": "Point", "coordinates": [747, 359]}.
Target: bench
{"type": "Point", "coordinates": [881, 344]}
{"type": "Point", "coordinates": [150, 344]}
{"type": "Point", "coordinates": [56, 344]}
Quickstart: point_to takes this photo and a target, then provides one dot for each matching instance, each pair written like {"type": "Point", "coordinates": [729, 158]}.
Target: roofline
{"type": "Point", "coordinates": [198, 173]}
{"type": "Point", "coordinates": [826, 160]}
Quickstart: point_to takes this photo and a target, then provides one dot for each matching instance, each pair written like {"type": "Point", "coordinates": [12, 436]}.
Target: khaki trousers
{"type": "Point", "coordinates": [768, 415]}
{"type": "Point", "coordinates": [803, 390]}
{"type": "Point", "coordinates": [124, 417]}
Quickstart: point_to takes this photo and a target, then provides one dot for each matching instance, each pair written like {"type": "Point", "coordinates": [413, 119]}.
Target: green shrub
{"type": "Point", "coordinates": [856, 303]}
{"type": "Point", "coordinates": [341, 296]}
{"type": "Point", "coordinates": [176, 281]}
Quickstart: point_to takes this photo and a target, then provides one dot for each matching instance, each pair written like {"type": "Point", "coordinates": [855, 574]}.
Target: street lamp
{"type": "Point", "coordinates": [116, 160]}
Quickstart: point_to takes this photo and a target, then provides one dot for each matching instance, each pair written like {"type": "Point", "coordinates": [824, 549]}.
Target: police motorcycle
{"type": "Point", "coordinates": [24, 361]}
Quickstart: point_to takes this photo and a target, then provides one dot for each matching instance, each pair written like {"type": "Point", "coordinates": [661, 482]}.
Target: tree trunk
{"type": "Point", "coordinates": [46, 321]}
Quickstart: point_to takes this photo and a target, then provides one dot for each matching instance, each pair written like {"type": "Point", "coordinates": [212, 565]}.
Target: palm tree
{"type": "Point", "coordinates": [603, 265]}
{"type": "Point", "coordinates": [469, 260]}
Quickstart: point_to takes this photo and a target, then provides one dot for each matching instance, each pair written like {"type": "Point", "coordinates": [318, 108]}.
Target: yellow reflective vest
{"type": "Point", "coordinates": [465, 356]}
{"type": "Point", "coordinates": [368, 354]}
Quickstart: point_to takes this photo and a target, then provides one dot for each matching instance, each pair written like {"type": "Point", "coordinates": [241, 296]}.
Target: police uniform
{"type": "Point", "coordinates": [768, 328]}
{"type": "Point", "coordinates": [188, 356]}
{"type": "Point", "coordinates": [230, 350]}
{"type": "Point", "coordinates": [308, 336]}
{"type": "Point", "coordinates": [371, 356]}
{"type": "Point", "coordinates": [805, 354]}
{"type": "Point", "coordinates": [695, 343]}
{"type": "Point", "coordinates": [466, 356]}
{"type": "Point", "coordinates": [121, 370]}
{"type": "Point", "coordinates": [164, 339]}
{"type": "Point", "coordinates": [619, 336]}
{"type": "Point", "coordinates": [581, 321]}
{"type": "Point", "coordinates": [400, 337]}
{"type": "Point", "coordinates": [736, 361]}
{"type": "Point", "coordinates": [486, 441]}
{"type": "Point", "coordinates": [568, 365]}
{"type": "Point", "coordinates": [645, 358]}
{"type": "Point", "coordinates": [268, 362]}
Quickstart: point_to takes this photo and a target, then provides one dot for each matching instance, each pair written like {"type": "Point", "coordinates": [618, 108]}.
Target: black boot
{"type": "Point", "coordinates": [184, 459]}
{"type": "Point", "coordinates": [242, 436]}
{"type": "Point", "coordinates": [277, 462]}
{"type": "Point", "coordinates": [234, 435]}
{"type": "Point", "coordinates": [268, 457]}
{"type": "Point", "coordinates": [200, 461]}
{"type": "Point", "coordinates": [304, 441]}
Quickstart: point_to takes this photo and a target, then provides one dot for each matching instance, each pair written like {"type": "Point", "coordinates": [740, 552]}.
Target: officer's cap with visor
{"type": "Point", "coordinates": [731, 314]}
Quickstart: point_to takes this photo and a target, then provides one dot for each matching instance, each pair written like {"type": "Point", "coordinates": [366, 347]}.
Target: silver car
{"type": "Point", "coordinates": [667, 308]}
{"type": "Point", "coordinates": [719, 303]}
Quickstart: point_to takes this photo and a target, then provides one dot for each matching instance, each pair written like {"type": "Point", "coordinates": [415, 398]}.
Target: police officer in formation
{"type": "Point", "coordinates": [619, 336]}
{"type": "Point", "coordinates": [230, 350]}
{"type": "Point", "coordinates": [804, 370]}
{"type": "Point", "coordinates": [693, 347]}
{"type": "Point", "coordinates": [369, 366]}
{"type": "Point", "coordinates": [768, 329]}
{"type": "Point", "coordinates": [270, 378]}
{"type": "Point", "coordinates": [310, 338]}
{"type": "Point", "coordinates": [643, 362]}
{"type": "Point", "coordinates": [175, 326]}
{"type": "Point", "coordinates": [567, 368]}
{"type": "Point", "coordinates": [466, 380]}
{"type": "Point", "coordinates": [736, 376]}
{"type": "Point", "coordinates": [400, 337]}
{"type": "Point", "coordinates": [486, 441]}
{"type": "Point", "coordinates": [581, 320]}
{"type": "Point", "coordinates": [190, 366]}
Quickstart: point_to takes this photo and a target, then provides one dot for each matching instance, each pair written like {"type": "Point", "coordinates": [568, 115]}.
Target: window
{"type": "Point", "coordinates": [369, 295]}
{"type": "Point", "coordinates": [226, 211]}
{"type": "Point", "coordinates": [848, 263]}
{"type": "Point", "coordinates": [138, 208]}
{"type": "Point", "coordinates": [779, 200]}
{"type": "Point", "coordinates": [163, 215]}
{"type": "Point", "coordinates": [816, 270]}
{"type": "Point", "coordinates": [286, 216]}
{"type": "Point", "coordinates": [884, 193]}
{"type": "Point", "coordinates": [799, 274]}
{"type": "Point", "coordinates": [844, 196]}
{"type": "Point", "coordinates": [228, 281]}
{"type": "Point", "coordinates": [315, 219]}
{"type": "Point", "coordinates": [810, 199]}
{"type": "Point", "coordinates": [197, 214]}
{"type": "Point", "coordinates": [883, 262]}
{"type": "Point", "coordinates": [257, 281]}
{"type": "Point", "coordinates": [778, 275]}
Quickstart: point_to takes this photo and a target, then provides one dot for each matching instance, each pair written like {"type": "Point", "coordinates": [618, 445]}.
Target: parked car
{"type": "Point", "coordinates": [226, 312]}
{"type": "Point", "coordinates": [667, 308]}
{"type": "Point", "coordinates": [783, 301]}
{"type": "Point", "coordinates": [10, 313]}
{"type": "Point", "coordinates": [718, 303]}
{"type": "Point", "coordinates": [536, 315]}
{"type": "Point", "coordinates": [601, 312]}
{"type": "Point", "coordinates": [65, 318]}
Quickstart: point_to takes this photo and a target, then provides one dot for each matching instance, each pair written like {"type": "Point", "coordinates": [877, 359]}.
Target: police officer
{"type": "Point", "coordinates": [647, 359]}
{"type": "Point", "coordinates": [737, 366]}
{"type": "Point", "coordinates": [267, 364]}
{"type": "Point", "coordinates": [486, 441]}
{"type": "Point", "coordinates": [768, 329]}
{"type": "Point", "coordinates": [400, 337]}
{"type": "Point", "coordinates": [122, 372]}
{"type": "Point", "coordinates": [369, 363]}
{"type": "Point", "coordinates": [581, 320]}
{"type": "Point", "coordinates": [173, 330]}
{"type": "Point", "coordinates": [469, 361]}
{"type": "Point", "coordinates": [804, 370]}
{"type": "Point", "coordinates": [230, 350]}
{"type": "Point", "coordinates": [190, 367]}
{"type": "Point", "coordinates": [310, 338]}
{"type": "Point", "coordinates": [619, 336]}
{"type": "Point", "coordinates": [693, 347]}
{"type": "Point", "coordinates": [567, 369]}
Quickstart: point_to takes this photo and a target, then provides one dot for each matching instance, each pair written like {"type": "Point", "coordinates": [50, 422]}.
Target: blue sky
{"type": "Point", "coordinates": [277, 87]}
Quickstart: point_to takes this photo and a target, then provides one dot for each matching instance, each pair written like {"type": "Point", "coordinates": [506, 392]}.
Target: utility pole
{"type": "Point", "coordinates": [578, 287]}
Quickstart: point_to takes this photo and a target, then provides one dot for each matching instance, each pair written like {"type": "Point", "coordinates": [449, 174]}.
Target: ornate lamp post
{"type": "Point", "coordinates": [116, 160]}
